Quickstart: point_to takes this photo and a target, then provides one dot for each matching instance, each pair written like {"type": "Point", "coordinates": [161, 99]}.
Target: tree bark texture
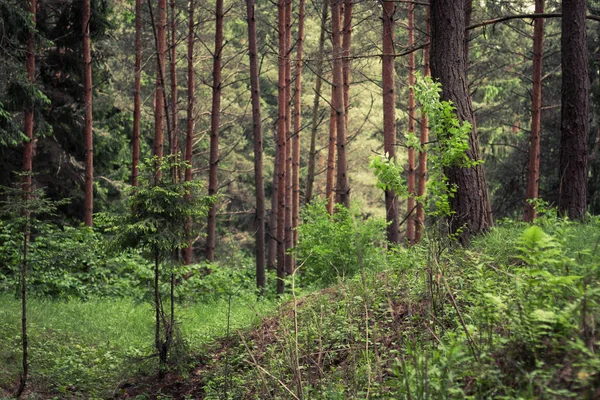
{"type": "Point", "coordinates": [470, 203]}
{"type": "Point", "coordinates": [174, 134]}
{"type": "Point", "coordinates": [159, 94]}
{"type": "Point", "coordinates": [389, 113]}
{"type": "Point", "coordinates": [312, 156]}
{"type": "Point", "coordinates": [410, 222]}
{"type": "Point", "coordinates": [258, 147]}
{"type": "Point", "coordinates": [297, 124]}
{"type": "Point", "coordinates": [342, 191]}
{"type": "Point", "coordinates": [533, 174]}
{"type": "Point", "coordinates": [213, 182]}
{"type": "Point", "coordinates": [423, 138]}
{"type": "Point", "coordinates": [89, 140]}
{"type": "Point", "coordinates": [330, 179]}
{"type": "Point", "coordinates": [137, 103]}
{"type": "Point", "coordinates": [289, 260]}
{"type": "Point", "coordinates": [574, 111]}
{"type": "Point", "coordinates": [281, 145]}
{"type": "Point", "coordinates": [189, 137]}
{"type": "Point", "coordinates": [346, 61]}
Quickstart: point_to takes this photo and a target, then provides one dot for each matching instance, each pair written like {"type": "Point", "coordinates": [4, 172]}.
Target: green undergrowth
{"type": "Point", "coordinates": [85, 349]}
{"type": "Point", "coordinates": [513, 316]}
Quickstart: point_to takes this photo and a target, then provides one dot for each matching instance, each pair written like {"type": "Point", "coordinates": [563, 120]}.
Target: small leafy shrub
{"type": "Point", "coordinates": [338, 245]}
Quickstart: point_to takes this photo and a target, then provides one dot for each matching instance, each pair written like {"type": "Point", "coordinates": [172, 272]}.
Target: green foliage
{"type": "Point", "coordinates": [338, 245]}
{"type": "Point", "coordinates": [448, 146]}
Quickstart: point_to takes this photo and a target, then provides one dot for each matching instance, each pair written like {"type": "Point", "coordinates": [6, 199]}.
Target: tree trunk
{"type": "Point", "coordinates": [137, 103]}
{"type": "Point", "coordinates": [289, 262]}
{"type": "Point", "coordinates": [424, 138]}
{"type": "Point", "coordinates": [410, 222]}
{"type": "Point", "coordinates": [214, 134]}
{"type": "Point", "coordinates": [533, 175]}
{"type": "Point", "coordinates": [470, 203]}
{"type": "Point", "coordinates": [26, 189]}
{"type": "Point", "coordinates": [312, 157]}
{"type": "Point", "coordinates": [330, 182]}
{"type": "Point", "coordinates": [174, 134]}
{"type": "Point", "coordinates": [342, 195]}
{"type": "Point", "coordinates": [272, 255]}
{"type": "Point", "coordinates": [346, 61]}
{"type": "Point", "coordinates": [468, 4]}
{"type": "Point", "coordinates": [281, 146]}
{"type": "Point", "coordinates": [297, 125]}
{"type": "Point", "coordinates": [575, 111]}
{"type": "Point", "coordinates": [258, 147]}
{"type": "Point", "coordinates": [89, 141]}
{"type": "Point", "coordinates": [389, 114]}
{"type": "Point", "coordinates": [159, 94]}
{"type": "Point", "coordinates": [189, 137]}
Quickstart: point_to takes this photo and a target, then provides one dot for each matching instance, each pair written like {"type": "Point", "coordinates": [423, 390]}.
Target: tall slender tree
{"type": "Point", "coordinates": [297, 124]}
{"type": "Point", "coordinates": [137, 89]}
{"type": "Point", "coordinates": [389, 113]}
{"type": "Point", "coordinates": [213, 182]}
{"type": "Point", "coordinates": [575, 111]}
{"type": "Point", "coordinates": [159, 94]}
{"type": "Point", "coordinates": [533, 175]}
{"type": "Point", "coordinates": [289, 260]}
{"type": "Point", "coordinates": [312, 156]}
{"type": "Point", "coordinates": [470, 203]}
{"type": "Point", "coordinates": [174, 131]}
{"type": "Point", "coordinates": [331, 146]}
{"type": "Point", "coordinates": [342, 191]}
{"type": "Point", "coordinates": [87, 89]}
{"type": "Point", "coordinates": [346, 60]}
{"type": "Point", "coordinates": [189, 137]}
{"type": "Point", "coordinates": [281, 145]}
{"type": "Point", "coordinates": [423, 138]}
{"type": "Point", "coordinates": [410, 222]}
{"type": "Point", "coordinates": [257, 134]}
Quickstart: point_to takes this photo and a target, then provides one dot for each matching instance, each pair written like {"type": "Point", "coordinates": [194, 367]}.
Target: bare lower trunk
{"type": "Point", "coordinates": [281, 146]}
{"type": "Point", "coordinates": [137, 103]}
{"type": "Point", "coordinates": [410, 222]}
{"type": "Point", "coordinates": [174, 134]}
{"type": "Point", "coordinates": [389, 114]}
{"type": "Point", "coordinates": [297, 126]}
{"type": "Point", "coordinates": [89, 141]}
{"type": "Point", "coordinates": [312, 157]}
{"type": "Point", "coordinates": [257, 134]}
{"type": "Point", "coordinates": [346, 61]}
{"type": "Point", "coordinates": [159, 94]}
{"type": "Point", "coordinates": [189, 137]}
{"type": "Point", "coordinates": [289, 261]}
{"type": "Point", "coordinates": [330, 183]}
{"type": "Point", "coordinates": [214, 134]}
{"type": "Point", "coordinates": [575, 111]}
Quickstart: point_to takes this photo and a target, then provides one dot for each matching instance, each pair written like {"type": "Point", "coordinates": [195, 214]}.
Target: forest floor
{"type": "Point", "coordinates": [515, 315]}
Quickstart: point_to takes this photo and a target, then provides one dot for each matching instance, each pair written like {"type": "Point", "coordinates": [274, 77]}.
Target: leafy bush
{"type": "Point", "coordinates": [338, 245]}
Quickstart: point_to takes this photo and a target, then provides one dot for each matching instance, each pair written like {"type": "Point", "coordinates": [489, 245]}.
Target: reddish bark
{"type": "Point", "coordinates": [310, 179]}
{"type": "Point", "coordinates": [410, 222]}
{"type": "Point", "coordinates": [214, 134]}
{"type": "Point", "coordinates": [280, 169]}
{"type": "Point", "coordinates": [289, 261]}
{"type": "Point", "coordinates": [257, 133]}
{"type": "Point", "coordinates": [297, 125]}
{"type": "Point", "coordinates": [89, 140]}
{"type": "Point", "coordinates": [189, 137]}
{"type": "Point", "coordinates": [329, 185]}
{"type": "Point", "coordinates": [389, 114]}
{"type": "Point", "coordinates": [174, 134]}
{"type": "Point", "coordinates": [342, 195]}
{"type": "Point", "coordinates": [424, 138]}
{"type": "Point", "coordinates": [137, 103]}
{"type": "Point", "coordinates": [159, 94]}
{"type": "Point", "coordinates": [533, 174]}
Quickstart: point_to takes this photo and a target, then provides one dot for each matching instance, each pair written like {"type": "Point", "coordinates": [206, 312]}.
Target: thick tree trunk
{"type": "Point", "coordinates": [159, 94]}
{"type": "Point", "coordinates": [214, 134]}
{"type": "Point", "coordinates": [137, 103]}
{"type": "Point", "coordinates": [470, 203]}
{"type": "Point", "coordinates": [257, 133]}
{"type": "Point", "coordinates": [89, 141]}
{"type": "Point", "coordinates": [410, 222]}
{"type": "Point", "coordinates": [424, 138]}
{"type": "Point", "coordinates": [575, 111]}
{"type": "Point", "coordinates": [312, 157]}
{"type": "Point", "coordinates": [533, 175]}
{"type": "Point", "coordinates": [330, 180]}
{"type": "Point", "coordinates": [342, 192]}
{"type": "Point", "coordinates": [189, 137]}
{"type": "Point", "coordinates": [389, 114]}
{"type": "Point", "coordinates": [174, 134]}
{"type": "Point", "coordinates": [297, 124]}
{"type": "Point", "coordinates": [281, 146]}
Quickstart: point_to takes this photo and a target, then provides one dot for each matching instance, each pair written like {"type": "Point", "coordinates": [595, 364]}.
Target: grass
{"type": "Point", "coordinates": [84, 349]}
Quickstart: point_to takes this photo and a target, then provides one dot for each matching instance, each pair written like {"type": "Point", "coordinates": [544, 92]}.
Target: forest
{"type": "Point", "coordinates": [292, 199]}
